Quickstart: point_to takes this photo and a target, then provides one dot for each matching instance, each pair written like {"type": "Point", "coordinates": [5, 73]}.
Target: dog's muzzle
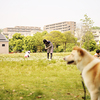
{"type": "Point", "coordinates": [65, 58]}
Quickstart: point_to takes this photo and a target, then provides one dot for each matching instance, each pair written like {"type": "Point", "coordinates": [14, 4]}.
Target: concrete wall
{"type": "Point", "coordinates": [4, 49]}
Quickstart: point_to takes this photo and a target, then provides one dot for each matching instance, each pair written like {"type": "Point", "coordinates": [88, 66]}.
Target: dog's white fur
{"type": "Point", "coordinates": [90, 68]}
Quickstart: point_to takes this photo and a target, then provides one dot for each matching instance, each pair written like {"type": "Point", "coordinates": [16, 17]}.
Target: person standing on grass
{"type": "Point", "coordinates": [49, 48]}
{"type": "Point", "coordinates": [97, 54]}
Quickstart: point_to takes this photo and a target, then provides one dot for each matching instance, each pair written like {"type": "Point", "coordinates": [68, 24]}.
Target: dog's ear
{"type": "Point", "coordinates": [81, 52]}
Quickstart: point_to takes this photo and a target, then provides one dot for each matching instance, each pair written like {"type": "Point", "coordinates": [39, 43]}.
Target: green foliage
{"type": "Point", "coordinates": [44, 33]}
{"type": "Point", "coordinates": [38, 39]}
{"type": "Point", "coordinates": [17, 36]}
{"type": "Point", "coordinates": [93, 45]}
{"type": "Point", "coordinates": [59, 38]}
{"type": "Point", "coordinates": [70, 47]}
{"type": "Point", "coordinates": [86, 32]}
{"type": "Point", "coordinates": [29, 44]}
{"type": "Point", "coordinates": [69, 38]}
{"type": "Point", "coordinates": [87, 39]}
{"type": "Point", "coordinates": [16, 43]}
{"type": "Point", "coordinates": [87, 22]}
{"type": "Point", "coordinates": [60, 48]}
{"type": "Point", "coordinates": [95, 27]}
{"type": "Point", "coordinates": [56, 37]}
{"type": "Point", "coordinates": [61, 42]}
{"type": "Point", "coordinates": [98, 46]}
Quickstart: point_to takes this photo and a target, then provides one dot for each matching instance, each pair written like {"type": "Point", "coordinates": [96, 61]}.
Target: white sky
{"type": "Point", "coordinates": [42, 12]}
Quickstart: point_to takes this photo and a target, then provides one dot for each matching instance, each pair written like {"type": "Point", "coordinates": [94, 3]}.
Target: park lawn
{"type": "Point", "coordinates": [36, 78]}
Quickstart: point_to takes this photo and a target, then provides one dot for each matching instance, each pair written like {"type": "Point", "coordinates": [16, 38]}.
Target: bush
{"type": "Point", "coordinates": [69, 47]}
{"type": "Point", "coordinates": [60, 48]}
{"type": "Point", "coordinates": [55, 50]}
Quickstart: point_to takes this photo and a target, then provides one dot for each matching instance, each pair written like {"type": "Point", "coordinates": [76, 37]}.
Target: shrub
{"type": "Point", "coordinates": [70, 47]}
{"type": "Point", "coordinates": [60, 48]}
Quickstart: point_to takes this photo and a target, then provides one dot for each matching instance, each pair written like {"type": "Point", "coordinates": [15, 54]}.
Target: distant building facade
{"type": "Point", "coordinates": [24, 30]}
{"type": "Point", "coordinates": [96, 33]}
{"type": "Point", "coordinates": [4, 45]}
{"type": "Point", "coordinates": [61, 26]}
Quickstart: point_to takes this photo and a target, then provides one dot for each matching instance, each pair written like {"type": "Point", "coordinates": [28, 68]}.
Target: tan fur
{"type": "Point", "coordinates": [95, 73]}
{"type": "Point", "coordinates": [90, 68]}
{"type": "Point", "coordinates": [79, 50]}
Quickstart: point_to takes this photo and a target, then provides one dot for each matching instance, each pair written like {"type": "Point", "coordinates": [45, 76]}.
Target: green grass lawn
{"type": "Point", "coordinates": [37, 78]}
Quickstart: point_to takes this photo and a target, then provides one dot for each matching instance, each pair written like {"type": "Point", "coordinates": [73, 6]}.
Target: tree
{"type": "Point", "coordinates": [56, 37]}
{"type": "Point", "coordinates": [93, 45]}
{"type": "Point", "coordinates": [87, 23]}
{"type": "Point", "coordinates": [16, 43]}
{"type": "Point", "coordinates": [38, 37]}
{"type": "Point", "coordinates": [29, 44]}
{"type": "Point", "coordinates": [86, 28]}
{"type": "Point", "coordinates": [44, 33]}
{"type": "Point", "coordinates": [69, 38]}
{"type": "Point", "coordinates": [17, 36]}
{"type": "Point", "coordinates": [86, 40]}
{"type": "Point", "coordinates": [10, 45]}
{"type": "Point", "coordinates": [98, 46]}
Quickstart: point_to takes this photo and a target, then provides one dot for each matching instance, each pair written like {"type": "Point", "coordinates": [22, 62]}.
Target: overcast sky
{"type": "Point", "coordinates": [43, 12]}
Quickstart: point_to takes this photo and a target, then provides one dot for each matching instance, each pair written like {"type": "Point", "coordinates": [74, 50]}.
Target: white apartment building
{"type": "Point", "coordinates": [96, 33]}
{"type": "Point", "coordinates": [23, 30]}
{"type": "Point", "coordinates": [61, 26]}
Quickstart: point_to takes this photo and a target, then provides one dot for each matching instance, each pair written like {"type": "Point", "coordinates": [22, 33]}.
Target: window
{"type": "Point", "coordinates": [3, 45]}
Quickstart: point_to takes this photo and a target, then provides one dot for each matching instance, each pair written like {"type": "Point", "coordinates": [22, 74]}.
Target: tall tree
{"type": "Point", "coordinates": [87, 23]}
{"type": "Point", "coordinates": [86, 27]}
{"type": "Point", "coordinates": [29, 44]}
{"type": "Point", "coordinates": [17, 36]}
{"type": "Point", "coordinates": [56, 37]}
{"type": "Point", "coordinates": [39, 41]}
{"type": "Point", "coordinates": [44, 33]}
{"type": "Point", "coordinates": [68, 38]}
{"type": "Point", "coordinates": [86, 40]}
{"type": "Point", "coordinates": [16, 43]}
{"type": "Point", "coordinates": [92, 45]}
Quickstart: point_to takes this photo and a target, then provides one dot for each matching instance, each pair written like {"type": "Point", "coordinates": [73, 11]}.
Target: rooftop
{"type": "Point", "coordinates": [3, 38]}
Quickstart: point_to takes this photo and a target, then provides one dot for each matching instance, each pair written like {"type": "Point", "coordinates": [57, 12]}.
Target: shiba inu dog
{"type": "Point", "coordinates": [90, 68]}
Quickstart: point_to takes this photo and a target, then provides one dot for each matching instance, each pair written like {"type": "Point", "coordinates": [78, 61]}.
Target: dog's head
{"type": "Point", "coordinates": [75, 56]}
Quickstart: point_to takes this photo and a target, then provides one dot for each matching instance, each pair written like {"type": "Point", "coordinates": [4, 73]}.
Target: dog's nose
{"type": "Point", "coordinates": [66, 58]}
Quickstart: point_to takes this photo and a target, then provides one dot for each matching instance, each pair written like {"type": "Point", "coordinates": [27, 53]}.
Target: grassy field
{"type": "Point", "coordinates": [37, 78]}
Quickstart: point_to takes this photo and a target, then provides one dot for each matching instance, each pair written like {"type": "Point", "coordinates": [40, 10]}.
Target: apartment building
{"type": "Point", "coordinates": [61, 26]}
{"type": "Point", "coordinates": [24, 30]}
{"type": "Point", "coordinates": [96, 33]}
